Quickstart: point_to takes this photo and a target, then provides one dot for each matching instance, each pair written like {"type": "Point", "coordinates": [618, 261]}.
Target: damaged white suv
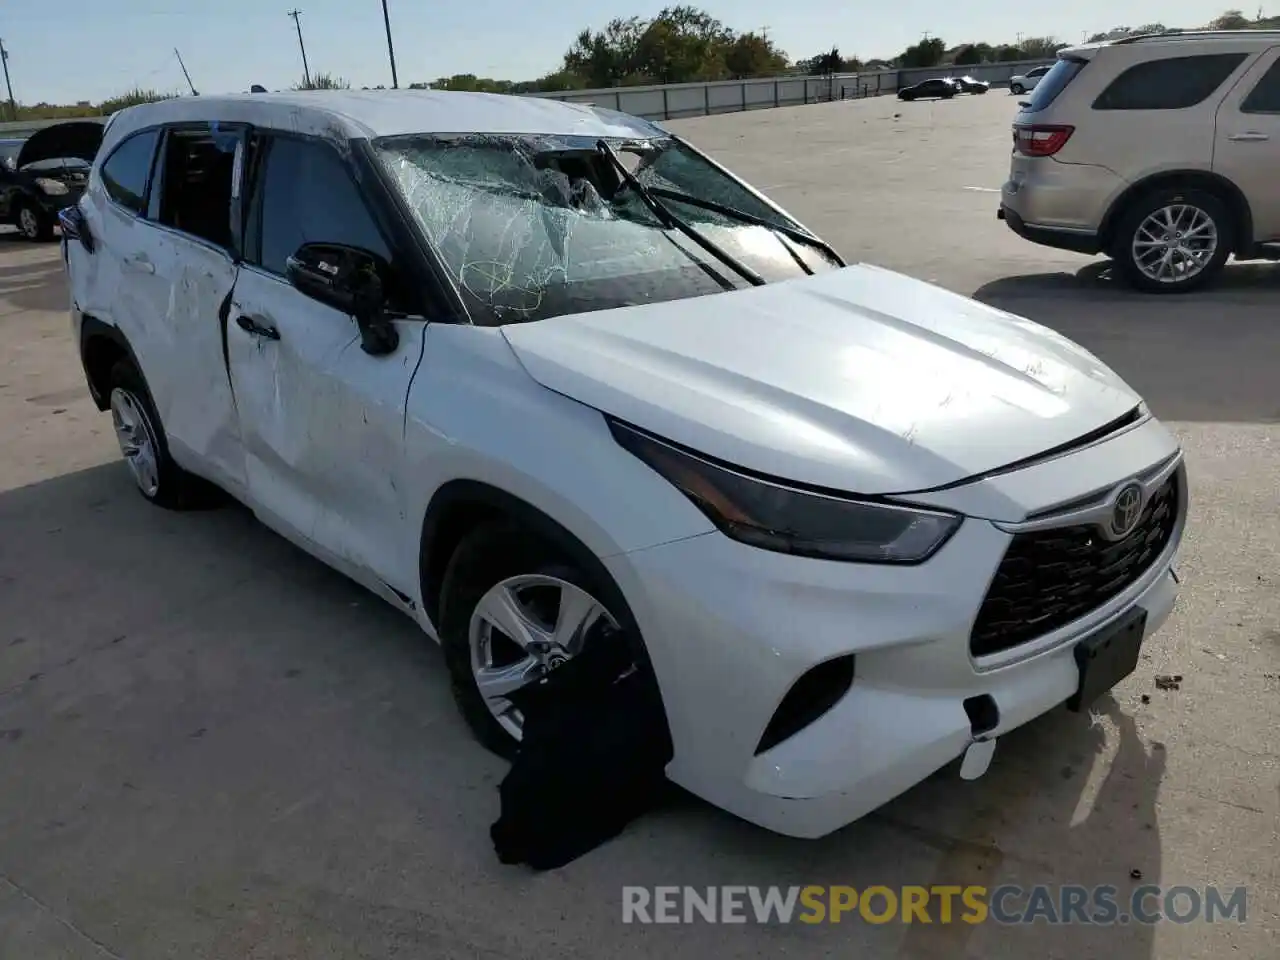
{"type": "Point", "coordinates": [523, 368]}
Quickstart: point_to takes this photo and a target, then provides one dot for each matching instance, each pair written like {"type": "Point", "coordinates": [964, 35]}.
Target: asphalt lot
{"type": "Point", "coordinates": [211, 746]}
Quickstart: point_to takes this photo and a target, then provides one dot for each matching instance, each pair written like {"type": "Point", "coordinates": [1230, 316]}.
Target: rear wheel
{"type": "Point", "coordinates": [1173, 240]}
{"type": "Point", "coordinates": [144, 447]}
{"type": "Point", "coordinates": [33, 223]}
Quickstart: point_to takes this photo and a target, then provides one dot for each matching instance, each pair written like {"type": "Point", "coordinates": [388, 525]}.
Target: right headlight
{"type": "Point", "coordinates": [776, 517]}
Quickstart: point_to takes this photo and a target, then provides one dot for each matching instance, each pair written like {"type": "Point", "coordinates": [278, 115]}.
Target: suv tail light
{"type": "Point", "coordinates": [1040, 139]}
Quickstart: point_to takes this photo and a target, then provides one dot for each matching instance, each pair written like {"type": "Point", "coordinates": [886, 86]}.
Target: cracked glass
{"type": "Point", "coordinates": [531, 227]}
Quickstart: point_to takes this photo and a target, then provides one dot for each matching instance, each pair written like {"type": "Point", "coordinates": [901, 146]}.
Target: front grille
{"type": "Point", "coordinates": [1048, 578]}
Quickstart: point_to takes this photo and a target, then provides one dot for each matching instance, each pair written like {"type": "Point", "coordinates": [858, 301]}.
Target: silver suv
{"type": "Point", "coordinates": [1160, 151]}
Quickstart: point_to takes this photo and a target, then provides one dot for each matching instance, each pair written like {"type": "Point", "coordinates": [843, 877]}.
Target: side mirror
{"type": "Point", "coordinates": [351, 280]}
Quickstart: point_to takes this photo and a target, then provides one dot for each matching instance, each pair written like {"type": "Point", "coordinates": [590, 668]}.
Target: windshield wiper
{"type": "Point", "coordinates": [800, 236]}
{"type": "Point", "coordinates": [669, 219]}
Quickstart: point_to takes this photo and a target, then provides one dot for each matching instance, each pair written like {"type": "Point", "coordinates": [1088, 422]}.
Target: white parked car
{"type": "Point", "coordinates": [523, 368]}
{"type": "Point", "coordinates": [1024, 82]}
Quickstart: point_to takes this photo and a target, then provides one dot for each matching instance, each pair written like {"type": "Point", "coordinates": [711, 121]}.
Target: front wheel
{"type": "Point", "coordinates": [1173, 240]}
{"type": "Point", "coordinates": [33, 223]}
{"type": "Point", "coordinates": [513, 610]}
{"type": "Point", "coordinates": [1017, 88]}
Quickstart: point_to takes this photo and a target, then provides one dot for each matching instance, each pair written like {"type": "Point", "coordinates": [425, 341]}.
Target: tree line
{"type": "Point", "coordinates": [685, 44]}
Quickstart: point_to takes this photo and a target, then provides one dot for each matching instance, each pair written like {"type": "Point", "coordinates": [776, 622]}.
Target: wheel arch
{"type": "Point", "coordinates": [1206, 180]}
{"type": "Point", "coordinates": [102, 346]}
{"type": "Point", "coordinates": [460, 506]}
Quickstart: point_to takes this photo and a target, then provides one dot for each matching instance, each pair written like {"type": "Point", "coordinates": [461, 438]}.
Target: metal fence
{"type": "Point", "coordinates": [675, 100]}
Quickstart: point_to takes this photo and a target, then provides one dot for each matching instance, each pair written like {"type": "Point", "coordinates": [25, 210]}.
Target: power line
{"type": "Point", "coordinates": [386, 19]}
{"type": "Point", "coordinates": [306, 71]}
{"type": "Point", "coordinates": [4, 59]}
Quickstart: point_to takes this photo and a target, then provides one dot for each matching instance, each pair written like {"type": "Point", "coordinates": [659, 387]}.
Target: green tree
{"type": "Point", "coordinates": [1230, 20]}
{"type": "Point", "coordinates": [754, 55]}
{"type": "Point", "coordinates": [975, 53]}
{"type": "Point", "coordinates": [1040, 48]}
{"type": "Point", "coordinates": [324, 81]}
{"type": "Point", "coordinates": [926, 53]}
{"type": "Point", "coordinates": [1008, 53]}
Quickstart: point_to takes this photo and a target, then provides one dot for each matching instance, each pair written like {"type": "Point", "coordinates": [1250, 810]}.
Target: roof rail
{"type": "Point", "coordinates": [1200, 35]}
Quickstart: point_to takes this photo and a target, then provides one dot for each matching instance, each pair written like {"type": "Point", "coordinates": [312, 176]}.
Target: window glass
{"type": "Point", "coordinates": [309, 196]}
{"type": "Point", "coordinates": [1265, 97]}
{"type": "Point", "coordinates": [1171, 84]}
{"type": "Point", "coordinates": [1054, 82]}
{"type": "Point", "coordinates": [125, 172]}
{"type": "Point", "coordinates": [195, 186]}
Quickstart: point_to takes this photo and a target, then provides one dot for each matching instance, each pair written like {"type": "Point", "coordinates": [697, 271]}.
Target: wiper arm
{"type": "Point", "coordinates": [800, 236]}
{"type": "Point", "coordinates": [669, 219]}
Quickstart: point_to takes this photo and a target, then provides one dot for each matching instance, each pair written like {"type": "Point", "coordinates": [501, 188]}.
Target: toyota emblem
{"type": "Point", "coordinates": [1126, 511]}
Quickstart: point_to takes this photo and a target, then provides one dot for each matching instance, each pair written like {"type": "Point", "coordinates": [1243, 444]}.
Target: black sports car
{"type": "Point", "coordinates": [44, 173]}
{"type": "Point", "coordinates": [940, 87]}
{"type": "Point", "coordinates": [970, 85]}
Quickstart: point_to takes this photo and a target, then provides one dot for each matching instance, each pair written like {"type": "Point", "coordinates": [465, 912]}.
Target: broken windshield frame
{"type": "Point", "coordinates": [531, 226]}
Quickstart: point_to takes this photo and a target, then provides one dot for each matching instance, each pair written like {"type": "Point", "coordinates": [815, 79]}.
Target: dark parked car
{"type": "Point", "coordinates": [44, 173]}
{"type": "Point", "coordinates": [971, 85]}
{"type": "Point", "coordinates": [940, 87]}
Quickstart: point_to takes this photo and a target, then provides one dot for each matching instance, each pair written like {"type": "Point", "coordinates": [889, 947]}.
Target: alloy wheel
{"type": "Point", "coordinates": [137, 440]}
{"type": "Point", "coordinates": [29, 223]}
{"type": "Point", "coordinates": [523, 628]}
{"type": "Point", "coordinates": [1174, 243]}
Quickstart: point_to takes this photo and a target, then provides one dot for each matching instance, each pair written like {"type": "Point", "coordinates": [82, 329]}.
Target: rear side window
{"type": "Point", "coordinates": [1054, 82]}
{"type": "Point", "coordinates": [1172, 84]}
{"type": "Point", "coordinates": [1265, 97]}
{"type": "Point", "coordinates": [126, 171]}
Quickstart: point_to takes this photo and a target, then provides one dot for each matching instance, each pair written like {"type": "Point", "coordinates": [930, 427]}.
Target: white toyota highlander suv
{"type": "Point", "coordinates": [526, 368]}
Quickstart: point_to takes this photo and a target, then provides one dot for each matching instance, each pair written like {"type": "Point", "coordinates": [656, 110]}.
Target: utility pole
{"type": "Point", "coordinates": [4, 58]}
{"type": "Point", "coordinates": [194, 91]}
{"type": "Point", "coordinates": [391, 52]}
{"type": "Point", "coordinates": [306, 71]}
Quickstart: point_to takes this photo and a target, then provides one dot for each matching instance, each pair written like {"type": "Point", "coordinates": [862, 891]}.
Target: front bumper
{"type": "Point", "coordinates": [730, 628]}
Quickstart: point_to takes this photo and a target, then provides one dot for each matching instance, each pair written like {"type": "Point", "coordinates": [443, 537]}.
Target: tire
{"type": "Point", "coordinates": [1189, 208]}
{"type": "Point", "coordinates": [144, 446]}
{"type": "Point", "coordinates": [32, 222]}
{"type": "Point", "coordinates": [491, 556]}
{"type": "Point", "coordinates": [1017, 88]}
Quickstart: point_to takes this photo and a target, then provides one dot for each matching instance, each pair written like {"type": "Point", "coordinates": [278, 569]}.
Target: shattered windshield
{"type": "Point", "coordinates": [534, 227]}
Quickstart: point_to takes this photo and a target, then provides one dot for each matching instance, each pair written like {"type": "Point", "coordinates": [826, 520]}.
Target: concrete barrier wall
{"type": "Point", "coordinates": [675, 100]}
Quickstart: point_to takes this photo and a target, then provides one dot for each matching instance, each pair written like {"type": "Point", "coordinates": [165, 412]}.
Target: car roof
{"type": "Point", "coordinates": [355, 114]}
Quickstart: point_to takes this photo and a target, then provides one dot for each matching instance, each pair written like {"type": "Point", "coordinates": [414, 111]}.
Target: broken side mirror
{"type": "Point", "coordinates": [351, 280]}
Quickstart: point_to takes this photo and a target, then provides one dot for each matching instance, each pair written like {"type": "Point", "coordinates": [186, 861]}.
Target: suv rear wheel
{"type": "Point", "coordinates": [1173, 240]}
{"type": "Point", "coordinates": [144, 447]}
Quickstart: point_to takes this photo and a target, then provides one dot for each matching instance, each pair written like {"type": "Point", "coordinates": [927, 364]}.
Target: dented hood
{"type": "Point", "coordinates": [859, 379]}
{"type": "Point", "coordinates": [78, 139]}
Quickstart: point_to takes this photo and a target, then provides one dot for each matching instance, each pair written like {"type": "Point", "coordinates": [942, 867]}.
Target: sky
{"type": "Point", "coordinates": [63, 51]}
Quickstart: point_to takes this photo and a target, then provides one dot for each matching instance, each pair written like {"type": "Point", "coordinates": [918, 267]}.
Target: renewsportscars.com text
{"type": "Point", "coordinates": [1009, 904]}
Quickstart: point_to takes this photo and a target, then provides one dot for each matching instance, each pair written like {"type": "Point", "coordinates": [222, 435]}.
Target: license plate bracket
{"type": "Point", "coordinates": [1107, 657]}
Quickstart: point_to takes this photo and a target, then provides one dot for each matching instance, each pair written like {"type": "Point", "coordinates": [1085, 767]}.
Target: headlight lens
{"type": "Point", "coordinates": [51, 187]}
{"type": "Point", "coordinates": [776, 517]}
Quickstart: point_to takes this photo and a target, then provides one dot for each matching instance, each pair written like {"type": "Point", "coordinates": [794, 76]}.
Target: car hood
{"type": "Point", "coordinates": [858, 379]}
{"type": "Point", "coordinates": [76, 139]}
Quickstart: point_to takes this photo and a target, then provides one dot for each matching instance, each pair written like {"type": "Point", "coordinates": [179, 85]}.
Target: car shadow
{"type": "Point", "coordinates": [152, 660]}
{"type": "Point", "coordinates": [1203, 356]}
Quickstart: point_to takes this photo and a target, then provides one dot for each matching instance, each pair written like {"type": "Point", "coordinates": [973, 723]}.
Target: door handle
{"type": "Point", "coordinates": [140, 263]}
{"type": "Point", "coordinates": [257, 327]}
{"type": "Point", "coordinates": [1250, 136]}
